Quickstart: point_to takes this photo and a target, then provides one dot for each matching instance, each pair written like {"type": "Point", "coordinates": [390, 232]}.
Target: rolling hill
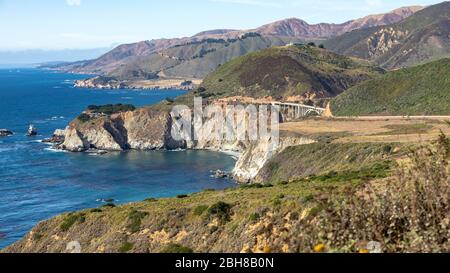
{"type": "Point", "coordinates": [294, 73]}
{"type": "Point", "coordinates": [422, 37]}
{"type": "Point", "coordinates": [420, 90]}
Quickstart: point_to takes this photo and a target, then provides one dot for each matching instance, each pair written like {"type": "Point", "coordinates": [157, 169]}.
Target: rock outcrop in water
{"type": "Point", "coordinates": [57, 137]}
{"type": "Point", "coordinates": [5, 132]}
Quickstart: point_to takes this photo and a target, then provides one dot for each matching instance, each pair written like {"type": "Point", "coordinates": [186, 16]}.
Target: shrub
{"type": "Point", "coordinates": [135, 219]}
{"type": "Point", "coordinates": [254, 217]}
{"type": "Point", "coordinates": [71, 219]}
{"type": "Point", "coordinates": [176, 249]}
{"type": "Point", "coordinates": [322, 46]}
{"type": "Point", "coordinates": [387, 149]}
{"type": "Point", "coordinates": [220, 210]}
{"type": "Point", "coordinates": [256, 186]}
{"type": "Point", "coordinates": [95, 210]}
{"type": "Point", "coordinates": [109, 205]}
{"type": "Point", "coordinates": [110, 109]}
{"type": "Point", "coordinates": [37, 236]}
{"type": "Point", "coordinates": [312, 44]}
{"type": "Point", "coordinates": [126, 247]}
{"type": "Point", "coordinates": [181, 196]}
{"type": "Point", "coordinates": [199, 210]}
{"type": "Point", "coordinates": [84, 118]}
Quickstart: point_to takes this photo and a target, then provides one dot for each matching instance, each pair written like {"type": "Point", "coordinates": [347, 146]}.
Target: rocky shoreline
{"type": "Point", "coordinates": [147, 129]}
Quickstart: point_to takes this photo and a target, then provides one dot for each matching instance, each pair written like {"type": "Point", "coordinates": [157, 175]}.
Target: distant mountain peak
{"type": "Point", "coordinates": [214, 32]}
{"type": "Point", "coordinates": [295, 27]}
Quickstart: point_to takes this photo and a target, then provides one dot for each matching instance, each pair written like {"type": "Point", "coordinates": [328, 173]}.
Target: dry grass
{"type": "Point", "coordinates": [370, 130]}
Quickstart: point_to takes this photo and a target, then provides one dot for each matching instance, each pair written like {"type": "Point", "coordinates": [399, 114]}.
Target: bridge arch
{"type": "Point", "coordinates": [311, 112]}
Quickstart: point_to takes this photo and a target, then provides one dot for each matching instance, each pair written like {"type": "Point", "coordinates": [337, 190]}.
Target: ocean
{"type": "Point", "coordinates": [37, 183]}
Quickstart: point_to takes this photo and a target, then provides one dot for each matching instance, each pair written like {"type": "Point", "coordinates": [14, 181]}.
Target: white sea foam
{"type": "Point", "coordinates": [53, 150]}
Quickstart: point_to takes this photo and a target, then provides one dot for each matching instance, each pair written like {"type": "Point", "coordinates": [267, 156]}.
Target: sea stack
{"type": "Point", "coordinates": [5, 132]}
{"type": "Point", "coordinates": [32, 131]}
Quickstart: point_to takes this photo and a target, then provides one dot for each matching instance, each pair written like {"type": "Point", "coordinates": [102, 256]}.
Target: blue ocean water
{"type": "Point", "coordinates": [37, 183]}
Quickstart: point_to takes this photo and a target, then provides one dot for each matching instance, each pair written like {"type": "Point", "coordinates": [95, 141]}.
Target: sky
{"type": "Point", "coordinates": [82, 24]}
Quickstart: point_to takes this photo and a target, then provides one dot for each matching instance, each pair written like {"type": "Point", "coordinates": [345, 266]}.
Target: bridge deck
{"type": "Point", "coordinates": [298, 105]}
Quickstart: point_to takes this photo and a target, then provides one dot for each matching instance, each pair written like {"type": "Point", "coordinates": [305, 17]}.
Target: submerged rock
{"type": "Point", "coordinates": [5, 132]}
{"type": "Point", "coordinates": [219, 174]}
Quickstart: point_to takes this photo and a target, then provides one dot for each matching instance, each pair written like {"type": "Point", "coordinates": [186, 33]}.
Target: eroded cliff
{"type": "Point", "coordinates": [150, 129]}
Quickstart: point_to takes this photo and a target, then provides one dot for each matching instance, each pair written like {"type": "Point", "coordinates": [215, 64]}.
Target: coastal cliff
{"type": "Point", "coordinates": [150, 129]}
{"type": "Point", "coordinates": [143, 129]}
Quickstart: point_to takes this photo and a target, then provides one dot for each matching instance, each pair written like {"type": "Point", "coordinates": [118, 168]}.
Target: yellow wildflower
{"type": "Point", "coordinates": [319, 248]}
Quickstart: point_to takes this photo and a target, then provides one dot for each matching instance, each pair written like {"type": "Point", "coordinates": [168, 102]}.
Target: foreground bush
{"type": "Point", "coordinates": [410, 212]}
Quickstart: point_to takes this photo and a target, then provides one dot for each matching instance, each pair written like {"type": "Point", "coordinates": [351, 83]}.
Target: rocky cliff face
{"type": "Point", "coordinates": [258, 154]}
{"type": "Point", "coordinates": [143, 129]}
{"type": "Point", "coordinates": [384, 40]}
{"type": "Point", "coordinates": [148, 129]}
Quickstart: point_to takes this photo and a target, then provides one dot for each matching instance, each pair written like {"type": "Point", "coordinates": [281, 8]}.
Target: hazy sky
{"type": "Point", "coordinates": [58, 24]}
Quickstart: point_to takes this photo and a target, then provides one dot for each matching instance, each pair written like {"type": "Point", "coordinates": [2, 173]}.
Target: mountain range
{"type": "Point", "coordinates": [420, 38]}
{"type": "Point", "coordinates": [197, 56]}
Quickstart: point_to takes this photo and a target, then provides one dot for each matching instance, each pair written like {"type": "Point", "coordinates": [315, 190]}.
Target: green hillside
{"type": "Point", "coordinates": [281, 72]}
{"type": "Point", "coordinates": [422, 37]}
{"type": "Point", "coordinates": [421, 90]}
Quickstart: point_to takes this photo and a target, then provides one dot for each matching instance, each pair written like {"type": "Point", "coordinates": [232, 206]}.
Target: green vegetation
{"type": "Point", "coordinates": [254, 217]}
{"type": "Point", "coordinates": [375, 171]}
{"type": "Point", "coordinates": [221, 210]}
{"type": "Point", "coordinates": [199, 210]}
{"type": "Point", "coordinates": [330, 162]}
{"type": "Point", "coordinates": [282, 72]}
{"type": "Point", "coordinates": [37, 236]}
{"type": "Point", "coordinates": [170, 100]}
{"type": "Point", "coordinates": [176, 249]}
{"type": "Point", "coordinates": [135, 219]}
{"type": "Point", "coordinates": [70, 220]}
{"type": "Point", "coordinates": [110, 109]}
{"type": "Point", "coordinates": [407, 129]}
{"type": "Point", "coordinates": [126, 247]}
{"type": "Point", "coordinates": [181, 196]}
{"type": "Point", "coordinates": [421, 90]}
{"type": "Point", "coordinates": [84, 117]}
